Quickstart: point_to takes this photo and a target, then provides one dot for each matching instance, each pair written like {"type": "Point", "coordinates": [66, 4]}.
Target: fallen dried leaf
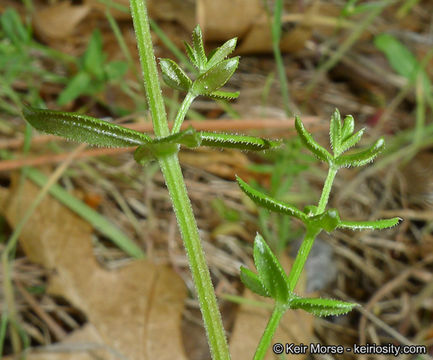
{"type": "Point", "coordinates": [135, 310]}
{"type": "Point", "coordinates": [56, 22]}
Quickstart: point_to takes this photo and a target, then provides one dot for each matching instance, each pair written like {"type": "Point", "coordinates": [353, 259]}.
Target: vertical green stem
{"type": "Point", "coordinates": [326, 189]}
{"type": "Point", "coordinates": [301, 257]}
{"type": "Point", "coordinates": [148, 66]}
{"type": "Point", "coordinates": [266, 339]}
{"type": "Point", "coordinates": [173, 177]}
{"type": "Point", "coordinates": [208, 304]}
{"type": "Point", "coordinates": [189, 98]}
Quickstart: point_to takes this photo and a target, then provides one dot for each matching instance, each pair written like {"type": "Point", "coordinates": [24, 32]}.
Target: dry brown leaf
{"type": "Point", "coordinates": [57, 22]}
{"type": "Point", "coordinates": [259, 40]}
{"type": "Point", "coordinates": [182, 12]}
{"type": "Point", "coordinates": [296, 326]}
{"type": "Point", "coordinates": [225, 19]}
{"type": "Point", "coordinates": [135, 310]}
{"type": "Point", "coordinates": [249, 21]}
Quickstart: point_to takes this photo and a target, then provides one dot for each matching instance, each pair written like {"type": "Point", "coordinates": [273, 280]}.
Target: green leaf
{"type": "Point", "coordinates": [188, 137]}
{"type": "Point", "coordinates": [83, 128]}
{"type": "Point", "coordinates": [402, 59]}
{"type": "Point", "coordinates": [362, 157]}
{"type": "Point", "coordinates": [153, 151]}
{"type": "Point", "coordinates": [327, 221]}
{"type": "Point", "coordinates": [166, 145]}
{"type": "Point", "coordinates": [197, 42]}
{"type": "Point", "coordinates": [224, 95]}
{"type": "Point", "coordinates": [191, 54]}
{"type": "Point", "coordinates": [306, 138]}
{"type": "Point", "coordinates": [221, 53]}
{"type": "Point", "coordinates": [241, 142]}
{"type": "Point", "coordinates": [335, 131]}
{"type": "Point", "coordinates": [348, 127]}
{"type": "Point", "coordinates": [252, 282]}
{"type": "Point", "coordinates": [93, 58]}
{"type": "Point", "coordinates": [174, 76]}
{"type": "Point", "coordinates": [269, 203]}
{"type": "Point", "coordinates": [322, 307]}
{"type": "Point", "coordinates": [369, 225]}
{"type": "Point", "coordinates": [351, 140]}
{"type": "Point", "coordinates": [77, 86]}
{"type": "Point", "coordinates": [115, 70]}
{"type": "Point", "coordinates": [215, 78]}
{"type": "Point", "coordinates": [399, 56]}
{"type": "Point", "coordinates": [270, 272]}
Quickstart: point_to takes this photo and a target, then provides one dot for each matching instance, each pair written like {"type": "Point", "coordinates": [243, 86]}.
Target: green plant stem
{"type": "Point", "coordinates": [326, 189]}
{"type": "Point", "coordinates": [188, 228]}
{"type": "Point", "coordinates": [269, 332]}
{"type": "Point", "coordinates": [301, 257]}
{"type": "Point", "coordinates": [176, 186]}
{"type": "Point", "coordinates": [148, 65]}
{"type": "Point", "coordinates": [189, 98]}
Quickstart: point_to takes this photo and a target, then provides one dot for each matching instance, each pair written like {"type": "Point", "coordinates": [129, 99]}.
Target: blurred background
{"type": "Point", "coordinates": [97, 269]}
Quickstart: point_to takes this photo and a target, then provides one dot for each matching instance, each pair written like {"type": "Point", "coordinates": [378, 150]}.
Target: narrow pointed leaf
{"type": "Point", "coordinates": [191, 54]}
{"type": "Point", "coordinates": [351, 140]}
{"type": "Point", "coordinates": [320, 152]}
{"type": "Point", "coordinates": [270, 272]}
{"type": "Point", "coordinates": [348, 127]}
{"type": "Point", "coordinates": [82, 128]}
{"type": "Point", "coordinates": [77, 86]}
{"type": "Point", "coordinates": [362, 157]}
{"type": "Point", "coordinates": [234, 141]}
{"type": "Point", "coordinates": [93, 58]}
{"type": "Point", "coordinates": [197, 42]}
{"type": "Point", "coordinates": [369, 225]}
{"type": "Point", "coordinates": [269, 203]}
{"type": "Point", "coordinates": [224, 95]}
{"type": "Point", "coordinates": [322, 307]}
{"type": "Point", "coordinates": [335, 131]}
{"type": "Point", "coordinates": [252, 282]}
{"type": "Point", "coordinates": [215, 78]}
{"type": "Point", "coordinates": [174, 76]}
{"type": "Point", "coordinates": [221, 53]}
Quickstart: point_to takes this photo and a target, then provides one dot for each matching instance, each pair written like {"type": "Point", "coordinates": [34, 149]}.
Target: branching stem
{"type": "Point", "coordinates": [180, 117]}
{"type": "Point", "coordinates": [271, 327]}
{"type": "Point", "coordinates": [176, 186]}
{"type": "Point", "coordinates": [326, 189]}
